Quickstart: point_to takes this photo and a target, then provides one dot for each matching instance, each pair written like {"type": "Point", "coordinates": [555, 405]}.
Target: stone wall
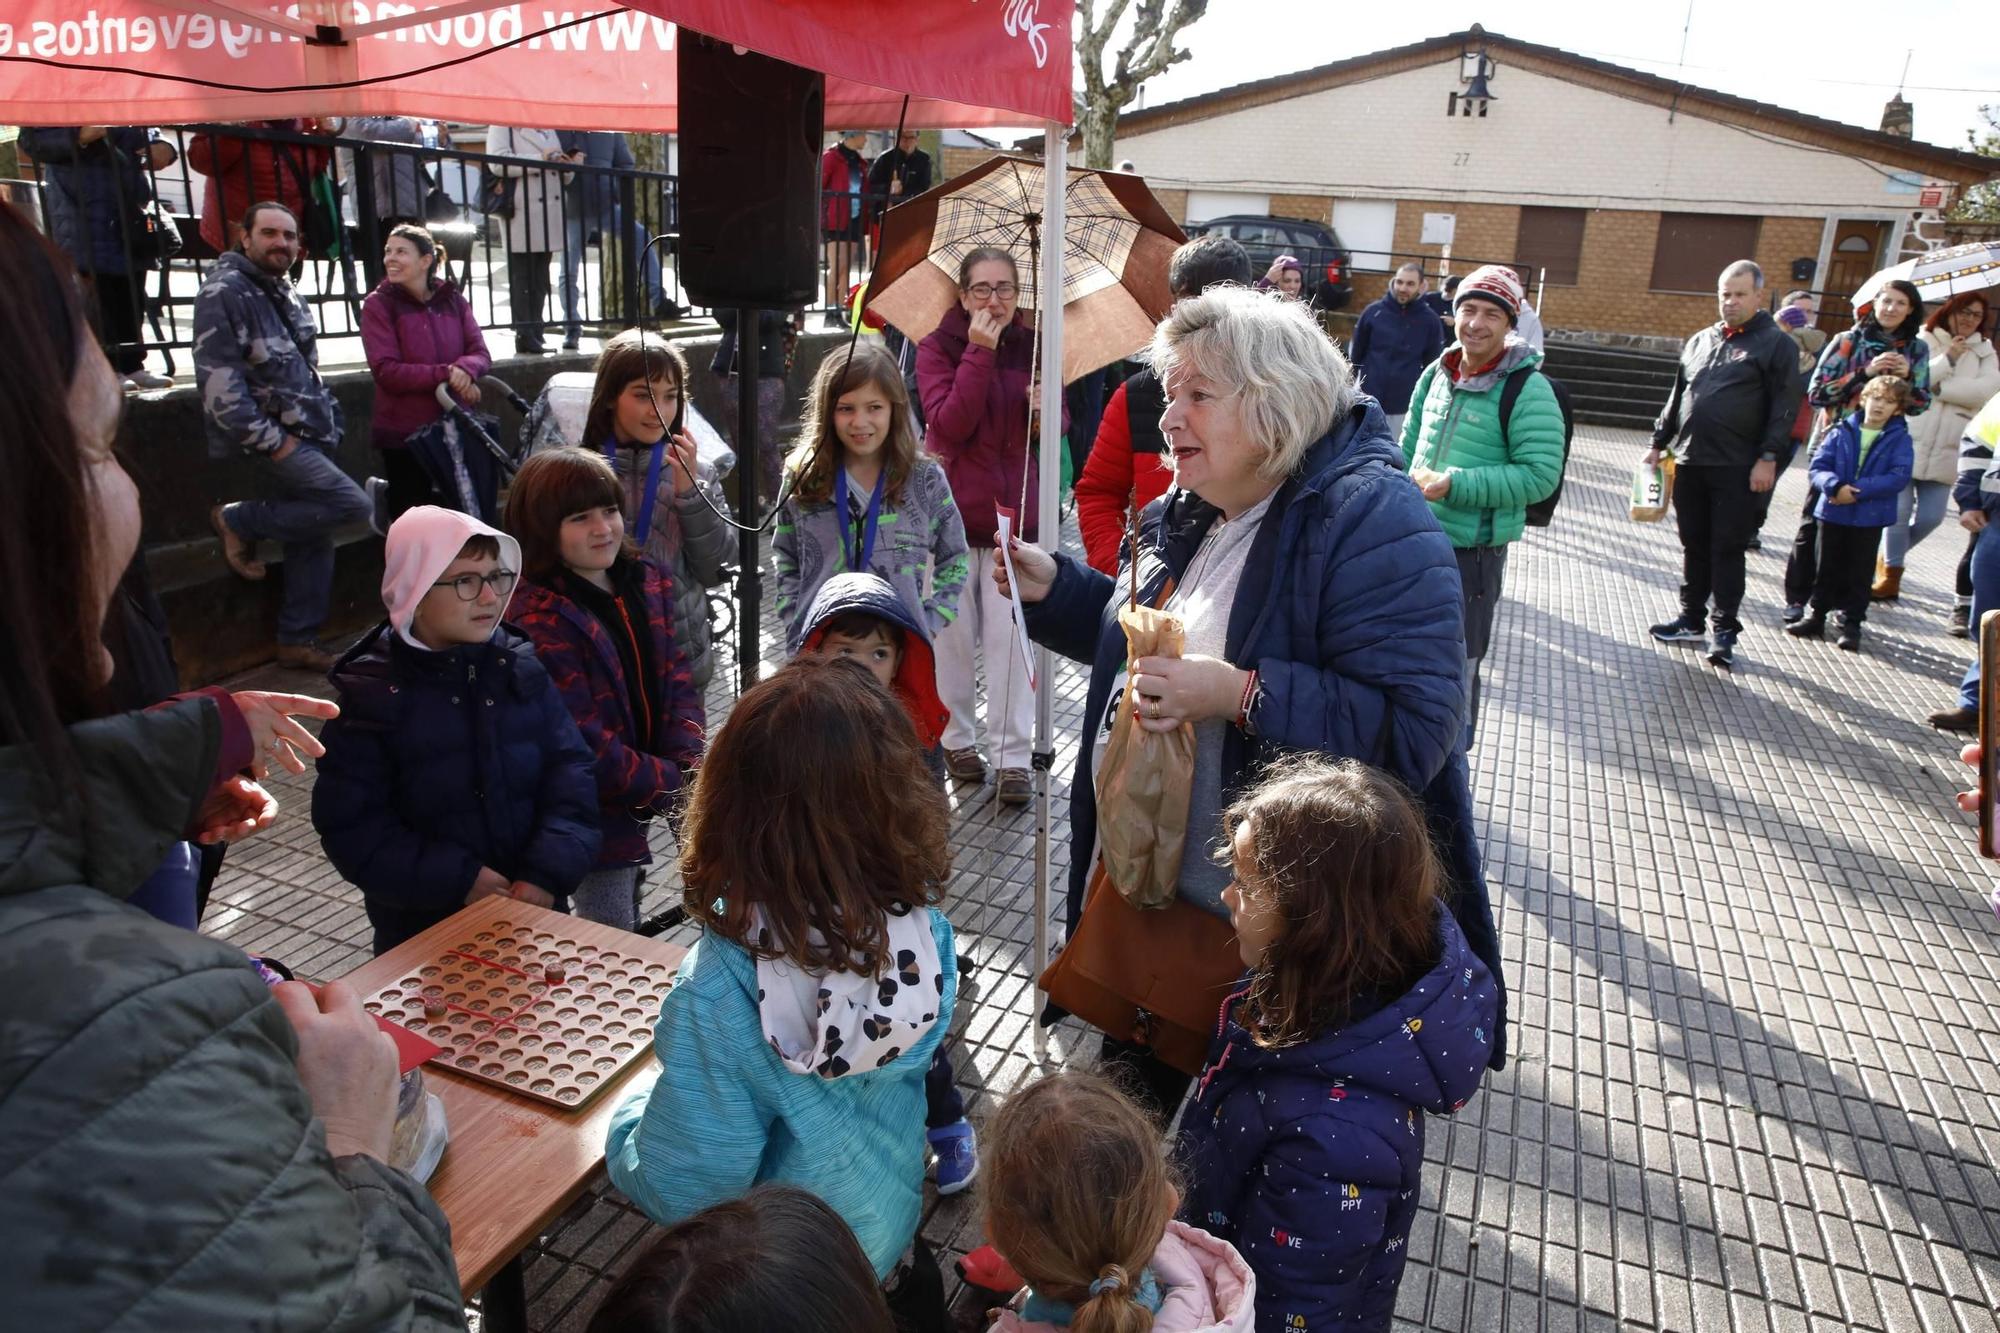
{"type": "Point", "coordinates": [221, 624]}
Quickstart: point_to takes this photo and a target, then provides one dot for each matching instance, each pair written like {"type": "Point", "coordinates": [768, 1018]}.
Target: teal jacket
{"type": "Point", "coordinates": [726, 1114]}
{"type": "Point", "coordinates": [1455, 429]}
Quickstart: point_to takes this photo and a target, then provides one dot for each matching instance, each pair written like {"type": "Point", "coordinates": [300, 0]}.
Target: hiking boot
{"type": "Point", "coordinates": [1850, 636]}
{"type": "Point", "coordinates": [1810, 627]}
{"type": "Point", "coordinates": [1681, 629]}
{"type": "Point", "coordinates": [1723, 652]}
{"type": "Point", "coordinates": [305, 657]}
{"type": "Point", "coordinates": [237, 552]}
{"type": "Point", "coordinates": [1016, 786]}
{"type": "Point", "coordinates": [1961, 622]}
{"type": "Point", "coordinates": [1888, 585]}
{"type": "Point", "coordinates": [965, 765]}
{"type": "Point", "coordinates": [1794, 613]}
{"type": "Point", "coordinates": [1955, 719]}
{"type": "Point", "coordinates": [957, 1152]}
{"type": "Point", "coordinates": [1756, 543]}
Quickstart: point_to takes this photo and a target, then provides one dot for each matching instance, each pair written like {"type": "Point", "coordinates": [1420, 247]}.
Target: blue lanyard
{"type": "Point", "coordinates": [868, 523]}
{"type": "Point", "coordinates": [644, 523]}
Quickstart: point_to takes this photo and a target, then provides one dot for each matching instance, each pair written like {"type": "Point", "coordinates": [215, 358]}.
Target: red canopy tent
{"type": "Point", "coordinates": [962, 63]}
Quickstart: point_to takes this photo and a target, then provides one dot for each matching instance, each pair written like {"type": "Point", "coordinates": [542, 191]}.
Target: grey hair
{"type": "Point", "coordinates": [1741, 268]}
{"type": "Point", "coordinates": [1794, 295]}
{"type": "Point", "coordinates": [1294, 381]}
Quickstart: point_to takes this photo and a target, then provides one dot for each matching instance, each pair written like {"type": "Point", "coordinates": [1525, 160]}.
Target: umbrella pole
{"type": "Point", "coordinates": [1055, 173]}
{"type": "Point", "coordinates": [749, 582]}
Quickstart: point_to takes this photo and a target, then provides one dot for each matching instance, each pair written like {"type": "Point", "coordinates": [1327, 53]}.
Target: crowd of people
{"type": "Point", "coordinates": [1896, 418]}
{"type": "Point", "coordinates": [1329, 534]}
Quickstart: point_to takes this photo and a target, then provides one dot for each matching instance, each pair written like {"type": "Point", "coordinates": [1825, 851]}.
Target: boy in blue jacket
{"type": "Point", "coordinates": [453, 772]}
{"type": "Point", "coordinates": [1858, 469]}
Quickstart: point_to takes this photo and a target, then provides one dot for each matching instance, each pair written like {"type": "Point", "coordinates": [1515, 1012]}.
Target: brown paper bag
{"type": "Point", "coordinates": [1144, 778]}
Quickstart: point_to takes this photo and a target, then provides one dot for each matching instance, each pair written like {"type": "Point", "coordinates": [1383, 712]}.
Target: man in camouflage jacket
{"type": "Point", "coordinates": [261, 392]}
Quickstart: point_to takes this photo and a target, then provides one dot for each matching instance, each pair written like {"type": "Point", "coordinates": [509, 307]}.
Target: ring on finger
{"type": "Point", "coordinates": [276, 746]}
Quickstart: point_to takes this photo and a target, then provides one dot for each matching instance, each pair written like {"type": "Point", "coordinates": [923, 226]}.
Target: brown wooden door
{"type": "Point", "coordinates": [1857, 253]}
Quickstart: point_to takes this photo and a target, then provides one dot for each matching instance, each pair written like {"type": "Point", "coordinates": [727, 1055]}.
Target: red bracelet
{"type": "Point", "coordinates": [1249, 697]}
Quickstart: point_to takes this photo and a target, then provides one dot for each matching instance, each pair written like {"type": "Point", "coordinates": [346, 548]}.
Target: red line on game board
{"type": "Point", "coordinates": [485, 962]}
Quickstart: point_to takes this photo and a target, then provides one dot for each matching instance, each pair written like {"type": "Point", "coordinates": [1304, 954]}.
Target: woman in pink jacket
{"type": "Point", "coordinates": [975, 374]}
{"type": "Point", "coordinates": [418, 333]}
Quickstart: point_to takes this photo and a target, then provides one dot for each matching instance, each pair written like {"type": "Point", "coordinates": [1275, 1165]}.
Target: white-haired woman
{"type": "Point", "coordinates": [1320, 596]}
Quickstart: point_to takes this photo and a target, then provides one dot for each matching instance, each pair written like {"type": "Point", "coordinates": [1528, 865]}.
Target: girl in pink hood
{"type": "Point", "coordinates": [1080, 1201]}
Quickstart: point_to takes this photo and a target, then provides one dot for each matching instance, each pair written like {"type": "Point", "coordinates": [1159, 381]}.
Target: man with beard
{"type": "Point", "coordinates": [1394, 340]}
{"type": "Point", "coordinates": [255, 361]}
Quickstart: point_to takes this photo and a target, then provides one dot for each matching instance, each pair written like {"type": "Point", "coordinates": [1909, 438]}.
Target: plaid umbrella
{"type": "Point", "coordinates": [1116, 243]}
{"type": "Point", "coordinates": [1941, 274]}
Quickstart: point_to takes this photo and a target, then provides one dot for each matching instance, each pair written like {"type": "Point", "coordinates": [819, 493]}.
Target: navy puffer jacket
{"type": "Point", "coordinates": [441, 763]}
{"type": "Point", "coordinates": [1350, 613]}
{"type": "Point", "coordinates": [1309, 1159]}
{"type": "Point", "coordinates": [94, 193]}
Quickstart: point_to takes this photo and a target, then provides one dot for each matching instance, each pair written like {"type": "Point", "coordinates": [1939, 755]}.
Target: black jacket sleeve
{"type": "Point", "coordinates": [1782, 387]}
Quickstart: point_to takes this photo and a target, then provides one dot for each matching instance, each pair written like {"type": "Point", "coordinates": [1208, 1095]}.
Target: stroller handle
{"type": "Point", "coordinates": [486, 382]}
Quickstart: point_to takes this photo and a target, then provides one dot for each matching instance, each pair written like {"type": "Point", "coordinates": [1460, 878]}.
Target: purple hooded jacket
{"type": "Point", "coordinates": [976, 414]}
{"type": "Point", "coordinates": [411, 349]}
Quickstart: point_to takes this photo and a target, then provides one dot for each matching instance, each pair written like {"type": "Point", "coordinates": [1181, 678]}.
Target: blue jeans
{"type": "Point", "coordinates": [316, 499]}
{"type": "Point", "coordinates": [1985, 597]}
{"type": "Point", "coordinates": [575, 229]}
{"type": "Point", "coordinates": [1925, 499]}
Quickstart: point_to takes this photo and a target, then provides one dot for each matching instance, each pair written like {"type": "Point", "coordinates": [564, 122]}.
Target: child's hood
{"type": "Point", "coordinates": [1428, 1047]}
{"type": "Point", "coordinates": [1207, 1285]}
{"type": "Point", "coordinates": [421, 545]}
{"type": "Point", "coordinates": [840, 1024]}
{"type": "Point", "coordinates": [916, 677]}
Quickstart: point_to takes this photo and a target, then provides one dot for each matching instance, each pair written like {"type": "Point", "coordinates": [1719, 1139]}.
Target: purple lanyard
{"type": "Point", "coordinates": [873, 517]}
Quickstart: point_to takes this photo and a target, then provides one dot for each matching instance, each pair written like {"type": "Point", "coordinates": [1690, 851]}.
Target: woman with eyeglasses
{"type": "Point", "coordinates": [454, 771]}
{"type": "Point", "coordinates": [976, 376]}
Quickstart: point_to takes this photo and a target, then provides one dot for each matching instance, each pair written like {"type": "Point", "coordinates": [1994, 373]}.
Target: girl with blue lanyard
{"type": "Point", "coordinates": [672, 508]}
{"type": "Point", "coordinates": [862, 498]}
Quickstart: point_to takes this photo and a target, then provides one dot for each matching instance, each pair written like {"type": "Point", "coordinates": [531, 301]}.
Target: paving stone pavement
{"type": "Point", "coordinates": [1753, 968]}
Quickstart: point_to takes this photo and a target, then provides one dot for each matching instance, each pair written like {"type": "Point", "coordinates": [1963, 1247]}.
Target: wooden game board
{"type": "Point", "coordinates": [501, 1014]}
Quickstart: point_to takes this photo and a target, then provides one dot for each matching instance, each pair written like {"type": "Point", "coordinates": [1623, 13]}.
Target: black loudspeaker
{"type": "Point", "coordinates": [750, 128]}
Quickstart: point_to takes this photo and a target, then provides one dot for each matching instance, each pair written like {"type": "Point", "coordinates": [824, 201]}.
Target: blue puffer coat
{"type": "Point", "coordinates": [1880, 478]}
{"type": "Point", "coordinates": [94, 193]}
{"type": "Point", "coordinates": [1392, 344]}
{"type": "Point", "coordinates": [1309, 1159]}
{"type": "Point", "coordinates": [1351, 616]}
{"type": "Point", "coordinates": [441, 763]}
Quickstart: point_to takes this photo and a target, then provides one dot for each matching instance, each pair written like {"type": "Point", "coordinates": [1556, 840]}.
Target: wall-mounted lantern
{"type": "Point", "coordinates": [1475, 71]}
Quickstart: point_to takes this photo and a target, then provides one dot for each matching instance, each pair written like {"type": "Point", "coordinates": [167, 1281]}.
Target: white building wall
{"type": "Point", "coordinates": [1544, 141]}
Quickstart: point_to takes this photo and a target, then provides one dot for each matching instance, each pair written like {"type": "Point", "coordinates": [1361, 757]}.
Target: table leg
{"type": "Point", "coordinates": [503, 1302]}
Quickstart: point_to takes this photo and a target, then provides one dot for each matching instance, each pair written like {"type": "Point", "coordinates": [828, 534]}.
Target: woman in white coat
{"type": "Point", "coordinates": [1964, 374]}
{"type": "Point", "coordinates": [535, 228]}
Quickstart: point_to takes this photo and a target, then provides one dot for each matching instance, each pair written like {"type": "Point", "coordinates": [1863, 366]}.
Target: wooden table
{"type": "Point", "coordinates": [515, 1163]}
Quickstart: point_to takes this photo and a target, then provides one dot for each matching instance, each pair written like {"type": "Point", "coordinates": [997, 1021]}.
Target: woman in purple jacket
{"type": "Point", "coordinates": [975, 374]}
{"type": "Point", "coordinates": [418, 332]}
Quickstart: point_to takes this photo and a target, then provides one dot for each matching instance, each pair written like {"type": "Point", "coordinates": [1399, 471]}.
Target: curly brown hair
{"type": "Point", "coordinates": [1341, 851]}
{"type": "Point", "coordinates": [1096, 1219]}
{"type": "Point", "coordinates": [813, 804]}
{"type": "Point", "coordinates": [818, 451]}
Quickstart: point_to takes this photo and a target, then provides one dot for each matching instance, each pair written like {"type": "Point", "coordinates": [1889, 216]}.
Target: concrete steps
{"type": "Point", "coordinates": [1612, 386]}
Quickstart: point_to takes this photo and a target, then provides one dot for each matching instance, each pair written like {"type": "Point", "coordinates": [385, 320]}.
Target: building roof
{"type": "Point", "coordinates": [1894, 150]}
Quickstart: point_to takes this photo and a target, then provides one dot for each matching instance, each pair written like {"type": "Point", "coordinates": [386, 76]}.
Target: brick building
{"type": "Point", "coordinates": [1627, 191]}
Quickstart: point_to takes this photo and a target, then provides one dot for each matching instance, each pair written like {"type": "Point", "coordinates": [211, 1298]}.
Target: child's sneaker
{"type": "Point", "coordinates": [986, 1270]}
{"type": "Point", "coordinates": [957, 1155]}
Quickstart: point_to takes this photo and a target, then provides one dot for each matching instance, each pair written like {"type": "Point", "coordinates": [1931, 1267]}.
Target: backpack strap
{"type": "Point", "coordinates": [1510, 393]}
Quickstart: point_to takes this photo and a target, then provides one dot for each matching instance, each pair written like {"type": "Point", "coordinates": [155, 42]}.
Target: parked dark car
{"type": "Point", "coordinates": [1315, 245]}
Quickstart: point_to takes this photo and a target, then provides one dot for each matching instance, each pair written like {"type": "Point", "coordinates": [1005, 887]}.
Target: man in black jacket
{"type": "Point", "coordinates": [904, 172]}
{"type": "Point", "coordinates": [1728, 421]}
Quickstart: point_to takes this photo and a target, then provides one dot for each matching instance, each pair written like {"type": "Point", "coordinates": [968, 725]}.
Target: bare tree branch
{"type": "Point", "coordinates": [1148, 51]}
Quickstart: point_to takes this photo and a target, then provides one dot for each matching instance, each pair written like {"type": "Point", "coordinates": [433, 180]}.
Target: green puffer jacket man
{"type": "Point", "coordinates": [1454, 427]}
{"type": "Point", "coordinates": [160, 1161]}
